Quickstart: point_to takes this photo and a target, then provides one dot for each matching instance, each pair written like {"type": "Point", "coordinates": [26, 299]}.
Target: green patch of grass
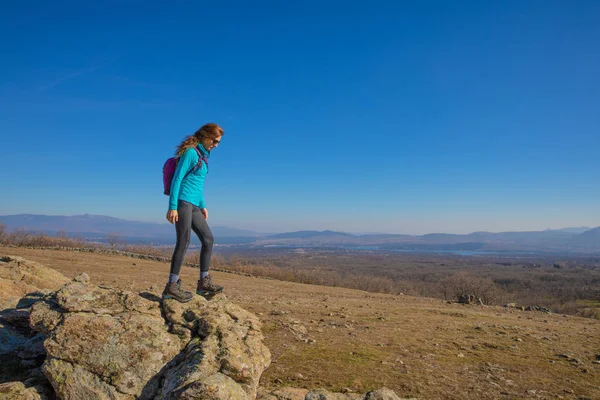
{"type": "Point", "coordinates": [343, 366]}
{"type": "Point", "coordinates": [269, 327]}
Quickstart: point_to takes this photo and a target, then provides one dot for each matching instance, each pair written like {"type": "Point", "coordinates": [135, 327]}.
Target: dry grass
{"type": "Point", "coordinates": [570, 287]}
{"type": "Point", "coordinates": [419, 347]}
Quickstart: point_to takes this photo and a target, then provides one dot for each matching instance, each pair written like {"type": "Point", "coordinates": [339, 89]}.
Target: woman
{"type": "Point", "coordinates": [188, 212]}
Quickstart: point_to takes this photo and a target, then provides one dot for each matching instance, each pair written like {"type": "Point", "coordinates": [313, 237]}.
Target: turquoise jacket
{"type": "Point", "coordinates": [189, 187]}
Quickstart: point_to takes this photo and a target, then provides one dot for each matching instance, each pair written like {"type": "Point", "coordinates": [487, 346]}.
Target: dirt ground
{"type": "Point", "coordinates": [338, 338]}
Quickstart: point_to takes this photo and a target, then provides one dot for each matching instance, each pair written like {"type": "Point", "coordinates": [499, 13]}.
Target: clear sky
{"type": "Point", "coordinates": [377, 116]}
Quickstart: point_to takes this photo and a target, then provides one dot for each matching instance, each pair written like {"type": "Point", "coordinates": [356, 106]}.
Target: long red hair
{"type": "Point", "coordinates": [209, 130]}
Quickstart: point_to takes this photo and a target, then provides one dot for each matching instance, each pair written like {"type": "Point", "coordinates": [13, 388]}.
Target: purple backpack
{"type": "Point", "coordinates": [170, 167]}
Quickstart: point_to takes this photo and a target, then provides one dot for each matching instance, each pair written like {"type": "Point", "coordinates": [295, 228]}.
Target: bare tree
{"type": "Point", "coordinates": [113, 239]}
{"type": "Point", "coordinates": [2, 232]}
{"type": "Point", "coordinates": [21, 237]}
{"type": "Point", "coordinates": [463, 284]}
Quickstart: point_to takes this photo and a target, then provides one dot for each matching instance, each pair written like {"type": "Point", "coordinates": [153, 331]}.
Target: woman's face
{"type": "Point", "coordinates": [209, 143]}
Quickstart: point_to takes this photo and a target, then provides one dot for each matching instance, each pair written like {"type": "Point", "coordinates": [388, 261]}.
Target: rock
{"type": "Point", "coordinates": [78, 297]}
{"type": "Point", "coordinates": [214, 387]}
{"type": "Point", "coordinates": [469, 299]}
{"type": "Point", "coordinates": [537, 308]}
{"type": "Point", "coordinates": [321, 394]}
{"type": "Point", "coordinates": [31, 298]}
{"type": "Point", "coordinates": [284, 394]}
{"type": "Point", "coordinates": [44, 317]}
{"type": "Point", "coordinates": [74, 382]}
{"type": "Point", "coordinates": [226, 341]}
{"type": "Point", "coordinates": [32, 349]}
{"type": "Point", "coordinates": [104, 337]}
{"type": "Point", "coordinates": [114, 344]}
{"type": "Point", "coordinates": [381, 394]}
{"type": "Point", "coordinates": [38, 382]}
{"type": "Point", "coordinates": [17, 318]}
{"type": "Point", "coordinates": [11, 339]}
{"type": "Point", "coordinates": [19, 277]}
{"type": "Point", "coordinates": [18, 391]}
{"type": "Point", "coordinates": [82, 278]}
{"type": "Point", "coordinates": [298, 330]}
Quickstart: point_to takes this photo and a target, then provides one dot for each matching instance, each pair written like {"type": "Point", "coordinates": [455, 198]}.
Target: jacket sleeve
{"type": "Point", "coordinates": [202, 204]}
{"type": "Point", "coordinates": [186, 162]}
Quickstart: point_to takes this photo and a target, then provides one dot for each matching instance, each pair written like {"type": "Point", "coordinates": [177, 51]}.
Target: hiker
{"type": "Point", "coordinates": [187, 209]}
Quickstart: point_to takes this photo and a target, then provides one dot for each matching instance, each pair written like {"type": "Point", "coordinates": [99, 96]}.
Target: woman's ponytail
{"type": "Point", "coordinates": [209, 130]}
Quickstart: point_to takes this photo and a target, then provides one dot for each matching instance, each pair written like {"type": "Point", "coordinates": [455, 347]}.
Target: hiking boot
{"type": "Point", "coordinates": [205, 286]}
{"type": "Point", "coordinates": [175, 291]}
{"type": "Point", "coordinates": [178, 285]}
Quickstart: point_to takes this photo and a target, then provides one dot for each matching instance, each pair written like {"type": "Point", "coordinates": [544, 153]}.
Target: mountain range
{"type": "Point", "coordinates": [97, 227]}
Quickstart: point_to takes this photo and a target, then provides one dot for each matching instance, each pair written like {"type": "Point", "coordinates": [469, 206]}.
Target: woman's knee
{"type": "Point", "coordinates": [183, 239]}
{"type": "Point", "coordinates": [208, 240]}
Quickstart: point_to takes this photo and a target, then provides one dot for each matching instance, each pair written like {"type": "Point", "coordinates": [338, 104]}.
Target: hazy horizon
{"type": "Point", "coordinates": [590, 226]}
{"type": "Point", "coordinates": [385, 117]}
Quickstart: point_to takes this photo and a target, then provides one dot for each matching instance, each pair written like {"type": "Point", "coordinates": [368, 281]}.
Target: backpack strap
{"type": "Point", "coordinates": [200, 159]}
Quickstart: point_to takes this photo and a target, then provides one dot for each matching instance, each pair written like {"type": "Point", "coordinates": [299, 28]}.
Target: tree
{"type": "Point", "coordinates": [113, 239]}
{"type": "Point", "coordinates": [20, 237]}
{"type": "Point", "coordinates": [463, 284]}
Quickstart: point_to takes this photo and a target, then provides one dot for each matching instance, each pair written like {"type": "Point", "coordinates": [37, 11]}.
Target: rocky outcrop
{"type": "Point", "coordinates": [18, 391]}
{"type": "Point", "coordinates": [107, 343]}
{"type": "Point", "coordinates": [224, 357]}
{"type": "Point", "coordinates": [22, 349]}
{"type": "Point", "coordinates": [84, 341]}
{"type": "Point", "coordinates": [101, 342]}
{"type": "Point", "coordinates": [19, 277]}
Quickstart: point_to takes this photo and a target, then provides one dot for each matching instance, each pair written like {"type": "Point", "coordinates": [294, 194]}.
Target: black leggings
{"type": "Point", "coordinates": [191, 218]}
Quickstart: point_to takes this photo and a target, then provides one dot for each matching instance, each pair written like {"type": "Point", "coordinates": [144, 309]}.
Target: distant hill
{"type": "Point", "coordinates": [96, 227]}
{"type": "Point", "coordinates": [88, 224]}
{"type": "Point", "coordinates": [577, 229]}
{"type": "Point", "coordinates": [309, 234]}
{"type": "Point", "coordinates": [590, 237]}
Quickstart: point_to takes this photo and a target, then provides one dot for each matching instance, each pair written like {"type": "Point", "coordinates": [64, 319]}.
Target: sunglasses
{"type": "Point", "coordinates": [215, 141]}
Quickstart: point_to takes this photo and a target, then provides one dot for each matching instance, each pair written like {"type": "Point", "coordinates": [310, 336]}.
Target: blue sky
{"type": "Point", "coordinates": [404, 117]}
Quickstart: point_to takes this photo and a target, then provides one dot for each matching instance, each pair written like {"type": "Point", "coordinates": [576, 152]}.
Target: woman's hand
{"type": "Point", "coordinates": [204, 212]}
{"type": "Point", "coordinates": [172, 216]}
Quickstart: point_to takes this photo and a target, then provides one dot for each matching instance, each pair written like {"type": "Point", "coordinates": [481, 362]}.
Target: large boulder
{"type": "Point", "coordinates": [225, 356]}
{"type": "Point", "coordinates": [107, 343]}
{"type": "Point", "coordinates": [19, 277]}
{"type": "Point", "coordinates": [22, 284]}
{"type": "Point", "coordinates": [18, 391]}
